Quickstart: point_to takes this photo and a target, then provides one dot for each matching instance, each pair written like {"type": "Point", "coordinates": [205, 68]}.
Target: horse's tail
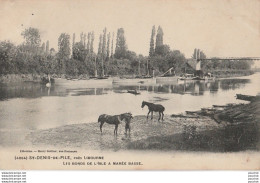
{"type": "Point", "coordinates": [100, 118]}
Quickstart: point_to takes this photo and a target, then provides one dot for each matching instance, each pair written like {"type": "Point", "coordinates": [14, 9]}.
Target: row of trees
{"type": "Point", "coordinates": [33, 56]}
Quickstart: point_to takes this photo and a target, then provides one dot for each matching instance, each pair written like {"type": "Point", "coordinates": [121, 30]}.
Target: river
{"type": "Point", "coordinates": [32, 106]}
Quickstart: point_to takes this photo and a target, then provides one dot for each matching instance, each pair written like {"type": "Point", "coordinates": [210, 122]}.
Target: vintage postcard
{"type": "Point", "coordinates": [130, 85]}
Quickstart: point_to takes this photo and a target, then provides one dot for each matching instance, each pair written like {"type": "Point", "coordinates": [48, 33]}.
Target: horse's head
{"type": "Point", "coordinates": [143, 104]}
{"type": "Point", "coordinates": [126, 116]}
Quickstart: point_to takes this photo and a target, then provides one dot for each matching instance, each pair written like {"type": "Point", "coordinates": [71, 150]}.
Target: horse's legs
{"type": "Point", "coordinates": [159, 116]}
{"type": "Point", "coordinates": [151, 114]}
{"type": "Point", "coordinates": [162, 115]}
{"type": "Point", "coordinates": [148, 114]}
{"type": "Point", "coordinates": [101, 124]}
{"type": "Point", "coordinates": [115, 131]}
{"type": "Point", "coordinates": [126, 129]}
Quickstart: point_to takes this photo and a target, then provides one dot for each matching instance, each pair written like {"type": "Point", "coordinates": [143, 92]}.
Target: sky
{"type": "Point", "coordinates": [221, 28]}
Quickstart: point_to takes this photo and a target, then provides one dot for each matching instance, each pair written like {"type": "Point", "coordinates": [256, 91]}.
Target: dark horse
{"type": "Point", "coordinates": [114, 120]}
{"type": "Point", "coordinates": [154, 108]}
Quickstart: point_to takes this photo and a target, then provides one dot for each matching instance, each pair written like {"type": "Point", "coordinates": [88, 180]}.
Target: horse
{"type": "Point", "coordinates": [116, 120]}
{"type": "Point", "coordinates": [154, 108]}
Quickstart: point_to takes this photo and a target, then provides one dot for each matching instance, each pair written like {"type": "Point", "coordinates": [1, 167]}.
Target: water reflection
{"type": "Point", "coordinates": [35, 90]}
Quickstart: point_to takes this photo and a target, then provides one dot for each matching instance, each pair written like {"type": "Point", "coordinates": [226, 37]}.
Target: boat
{"type": "Point", "coordinates": [133, 92]}
{"type": "Point", "coordinates": [186, 77]}
{"type": "Point", "coordinates": [167, 77]}
{"type": "Point", "coordinates": [129, 81]}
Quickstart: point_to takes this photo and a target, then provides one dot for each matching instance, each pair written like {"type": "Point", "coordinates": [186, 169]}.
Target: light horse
{"type": "Point", "coordinates": [114, 120]}
{"type": "Point", "coordinates": [154, 108]}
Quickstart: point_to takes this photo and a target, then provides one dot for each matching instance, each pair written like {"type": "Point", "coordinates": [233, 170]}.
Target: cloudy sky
{"type": "Point", "coordinates": [218, 27]}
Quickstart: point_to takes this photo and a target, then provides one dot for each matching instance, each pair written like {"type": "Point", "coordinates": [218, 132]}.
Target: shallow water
{"type": "Point", "coordinates": [33, 106]}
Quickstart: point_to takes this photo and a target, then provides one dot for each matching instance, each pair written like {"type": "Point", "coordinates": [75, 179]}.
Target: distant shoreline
{"type": "Point", "coordinates": [16, 78]}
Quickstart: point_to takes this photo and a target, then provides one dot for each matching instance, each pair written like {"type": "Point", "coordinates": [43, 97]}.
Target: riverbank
{"type": "Point", "coordinates": [16, 78]}
{"type": "Point", "coordinates": [197, 133]}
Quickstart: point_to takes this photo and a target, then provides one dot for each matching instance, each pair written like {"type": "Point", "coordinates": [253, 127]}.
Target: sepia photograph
{"type": "Point", "coordinates": [130, 85]}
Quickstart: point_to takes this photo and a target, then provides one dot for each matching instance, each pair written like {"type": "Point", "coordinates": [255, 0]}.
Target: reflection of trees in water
{"type": "Point", "coordinates": [34, 90]}
{"type": "Point", "coordinates": [229, 84]}
{"type": "Point", "coordinates": [24, 90]}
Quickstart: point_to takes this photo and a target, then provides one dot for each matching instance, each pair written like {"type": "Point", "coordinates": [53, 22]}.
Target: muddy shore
{"type": "Point", "coordinates": [201, 133]}
{"type": "Point", "coordinates": [230, 129]}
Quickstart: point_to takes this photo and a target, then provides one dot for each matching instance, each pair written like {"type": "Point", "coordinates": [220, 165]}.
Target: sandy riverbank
{"type": "Point", "coordinates": [178, 133]}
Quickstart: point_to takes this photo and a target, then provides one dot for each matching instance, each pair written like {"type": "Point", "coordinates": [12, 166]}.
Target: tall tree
{"type": "Point", "coordinates": [151, 52]}
{"type": "Point", "coordinates": [108, 45]}
{"type": "Point", "coordinates": [92, 43]}
{"type": "Point", "coordinates": [104, 53]}
{"type": "Point", "coordinates": [73, 40]}
{"type": "Point", "coordinates": [121, 47]}
{"type": "Point", "coordinates": [47, 47]}
{"type": "Point", "coordinates": [159, 38]}
{"type": "Point", "coordinates": [64, 51]}
{"type": "Point", "coordinates": [81, 37]}
{"type": "Point", "coordinates": [112, 46]}
{"type": "Point", "coordinates": [88, 44]}
{"type": "Point", "coordinates": [43, 47]}
{"type": "Point", "coordinates": [84, 40]}
{"type": "Point", "coordinates": [32, 37]}
{"type": "Point", "coordinates": [100, 45]}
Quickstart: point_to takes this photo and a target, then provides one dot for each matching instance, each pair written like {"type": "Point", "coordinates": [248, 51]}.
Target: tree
{"type": "Point", "coordinates": [92, 43]}
{"type": "Point", "coordinates": [7, 56]}
{"type": "Point", "coordinates": [64, 51]}
{"type": "Point", "coordinates": [108, 46]}
{"type": "Point", "coordinates": [104, 53]}
{"type": "Point", "coordinates": [151, 52]}
{"type": "Point", "coordinates": [79, 52]}
{"type": "Point", "coordinates": [199, 54]}
{"type": "Point", "coordinates": [84, 40]}
{"type": "Point", "coordinates": [162, 50]}
{"type": "Point", "coordinates": [100, 45]}
{"type": "Point", "coordinates": [159, 39]}
{"type": "Point", "coordinates": [43, 47]}
{"type": "Point", "coordinates": [121, 46]}
{"type": "Point", "coordinates": [88, 44]}
{"type": "Point", "coordinates": [32, 37]}
{"type": "Point", "coordinates": [82, 37]}
{"type": "Point", "coordinates": [47, 47]}
{"type": "Point", "coordinates": [112, 46]}
{"type": "Point", "coordinates": [73, 40]}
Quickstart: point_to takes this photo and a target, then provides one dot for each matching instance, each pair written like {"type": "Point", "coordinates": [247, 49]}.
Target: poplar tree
{"type": "Point", "coordinates": [92, 43]}
{"type": "Point", "coordinates": [43, 47]}
{"type": "Point", "coordinates": [159, 39]}
{"type": "Point", "coordinates": [151, 52]}
{"type": "Point", "coordinates": [108, 45]}
{"type": "Point", "coordinates": [121, 46]}
{"type": "Point", "coordinates": [100, 45]}
{"type": "Point", "coordinates": [104, 43]}
{"type": "Point", "coordinates": [88, 44]}
{"type": "Point", "coordinates": [112, 46]}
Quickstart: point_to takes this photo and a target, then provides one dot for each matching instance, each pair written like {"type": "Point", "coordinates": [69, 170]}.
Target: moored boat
{"type": "Point", "coordinates": [126, 81]}
{"type": "Point", "coordinates": [167, 79]}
